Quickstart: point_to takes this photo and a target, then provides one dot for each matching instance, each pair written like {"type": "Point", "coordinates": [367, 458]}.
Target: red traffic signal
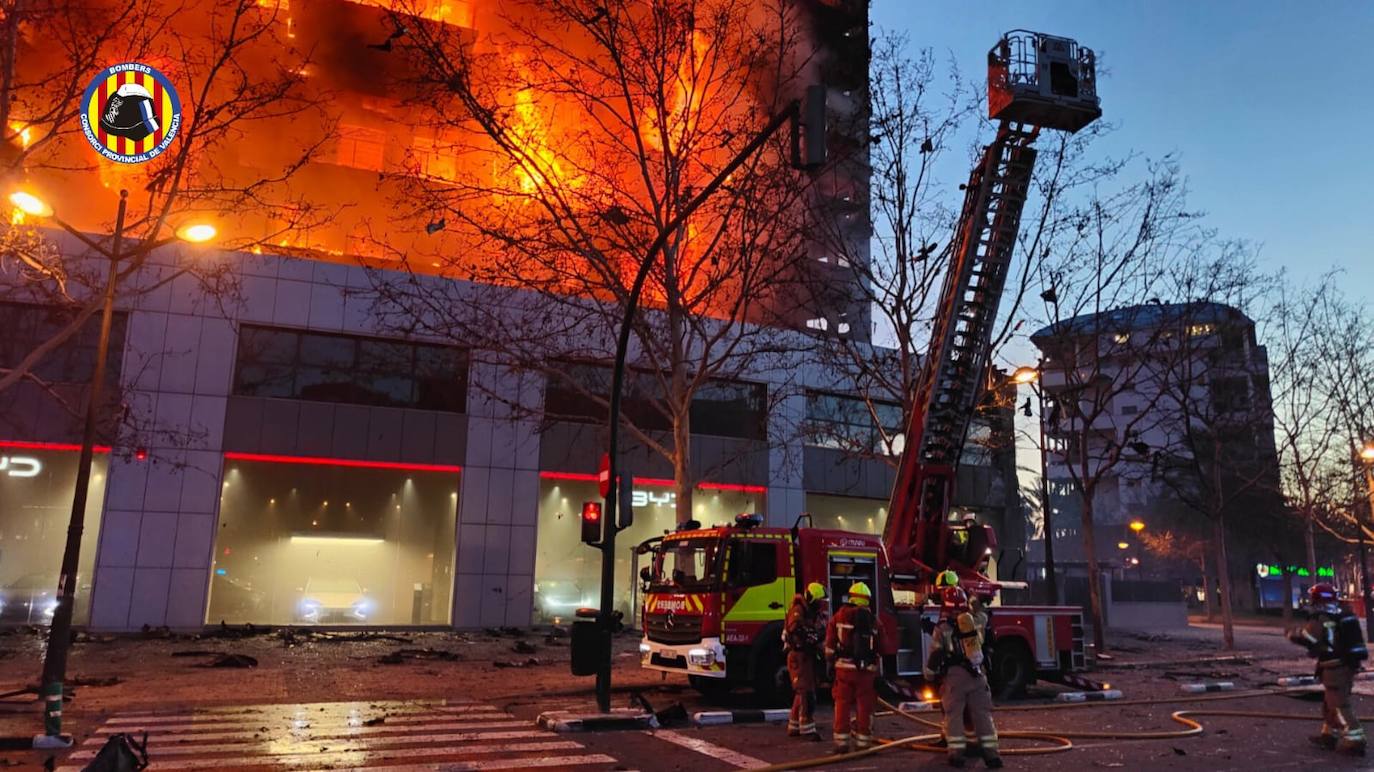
{"type": "Point", "coordinates": [591, 522]}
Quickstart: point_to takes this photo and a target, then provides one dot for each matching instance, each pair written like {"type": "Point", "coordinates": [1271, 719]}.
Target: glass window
{"type": "Point", "coordinates": [731, 409]}
{"type": "Point", "coordinates": [361, 148]}
{"type": "Point", "coordinates": [567, 573]}
{"type": "Point", "coordinates": [301, 544]}
{"type": "Point", "coordinates": [26, 326]}
{"type": "Point", "coordinates": [753, 563]}
{"type": "Point", "coordinates": [36, 489]}
{"type": "Point", "coordinates": [847, 513]}
{"type": "Point", "coordinates": [344, 368]}
{"type": "Point", "coordinates": [847, 423]}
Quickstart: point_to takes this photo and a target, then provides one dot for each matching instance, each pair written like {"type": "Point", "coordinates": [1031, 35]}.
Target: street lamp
{"type": "Point", "coordinates": [1030, 376]}
{"type": "Point", "coordinates": [59, 632]}
{"type": "Point", "coordinates": [1137, 526]}
{"type": "Point", "coordinates": [1366, 455]}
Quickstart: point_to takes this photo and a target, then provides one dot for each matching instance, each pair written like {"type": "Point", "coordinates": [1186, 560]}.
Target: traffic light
{"type": "Point", "coordinates": [591, 522]}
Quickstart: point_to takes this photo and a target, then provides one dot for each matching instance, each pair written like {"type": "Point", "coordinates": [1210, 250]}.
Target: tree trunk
{"type": "Point", "coordinates": [1094, 578]}
{"type": "Point", "coordinates": [1228, 633]}
{"type": "Point", "coordinates": [1287, 597]}
{"type": "Point", "coordinates": [1206, 587]}
{"type": "Point", "coordinates": [1311, 547]}
{"type": "Point", "coordinates": [682, 468]}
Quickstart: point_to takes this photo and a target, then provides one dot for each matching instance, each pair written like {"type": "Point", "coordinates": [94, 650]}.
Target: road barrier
{"type": "Point", "coordinates": [1216, 686]}
{"type": "Point", "coordinates": [1102, 696]}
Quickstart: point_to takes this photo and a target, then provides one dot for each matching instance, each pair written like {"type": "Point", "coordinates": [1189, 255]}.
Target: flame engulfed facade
{"type": "Point", "coordinates": [386, 167]}
{"type": "Point", "coordinates": [301, 461]}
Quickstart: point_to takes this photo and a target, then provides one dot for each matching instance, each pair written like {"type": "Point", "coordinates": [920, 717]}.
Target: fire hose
{"type": "Point", "coordinates": [1062, 741]}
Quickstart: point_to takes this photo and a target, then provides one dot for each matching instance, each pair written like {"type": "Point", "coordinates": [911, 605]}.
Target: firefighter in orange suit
{"type": "Point", "coordinates": [802, 636]}
{"type": "Point", "coordinates": [851, 644]}
{"type": "Point", "coordinates": [1332, 636]}
{"type": "Point", "coordinates": [956, 663]}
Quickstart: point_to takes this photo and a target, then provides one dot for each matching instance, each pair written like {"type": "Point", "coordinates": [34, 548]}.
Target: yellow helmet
{"type": "Point", "coordinates": [946, 579]}
{"type": "Point", "coordinates": [815, 591]}
{"type": "Point", "coordinates": [859, 594]}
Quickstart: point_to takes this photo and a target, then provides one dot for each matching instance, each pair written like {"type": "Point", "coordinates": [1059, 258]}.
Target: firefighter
{"type": "Point", "coordinates": [802, 636]}
{"type": "Point", "coordinates": [851, 645]}
{"type": "Point", "coordinates": [956, 664]}
{"type": "Point", "coordinates": [1332, 636]}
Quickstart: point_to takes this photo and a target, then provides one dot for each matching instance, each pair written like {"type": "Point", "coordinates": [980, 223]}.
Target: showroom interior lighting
{"type": "Point", "coordinates": [335, 539]}
{"type": "Point", "coordinates": [350, 462]}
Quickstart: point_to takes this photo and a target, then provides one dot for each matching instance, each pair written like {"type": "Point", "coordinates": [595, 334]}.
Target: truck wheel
{"type": "Point", "coordinates": [715, 690]}
{"type": "Point", "coordinates": [1013, 668]}
{"type": "Point", "coordinates": [772, 683]}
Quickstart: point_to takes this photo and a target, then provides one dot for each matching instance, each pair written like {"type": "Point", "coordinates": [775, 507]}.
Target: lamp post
{"type": "Point", "coordinates": [1031, 376]}
{"type": "Point", "coordinates": [59, 632]}
{"type": "Point", "coordinates": [1366, 458]}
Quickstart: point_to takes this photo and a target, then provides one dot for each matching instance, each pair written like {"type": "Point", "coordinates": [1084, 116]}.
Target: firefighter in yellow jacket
{"type": "Point", "coordinates": [803, 635]}
{"type": "Point", "coordinates": [956, 663]}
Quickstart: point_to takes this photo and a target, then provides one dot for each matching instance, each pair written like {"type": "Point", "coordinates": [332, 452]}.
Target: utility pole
{"type": "Point", "coordinates": [815, 156]}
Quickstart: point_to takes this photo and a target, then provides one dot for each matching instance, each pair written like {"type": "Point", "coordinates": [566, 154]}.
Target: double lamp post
{"type": "Point", "coordinates": [60, 631]}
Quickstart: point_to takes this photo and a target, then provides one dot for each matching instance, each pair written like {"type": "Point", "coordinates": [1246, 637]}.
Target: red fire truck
{"type": "Point", "coordinates": [715, 598]}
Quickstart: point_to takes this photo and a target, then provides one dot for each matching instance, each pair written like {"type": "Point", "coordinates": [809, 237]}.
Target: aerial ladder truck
{"type": "Point", "coordinates": [715, 598]}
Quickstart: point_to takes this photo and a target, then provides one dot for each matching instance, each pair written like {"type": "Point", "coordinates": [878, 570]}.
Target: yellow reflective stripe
{"type": "Point", "coordinates": [852, 554]}
{"type": "Point", "coordinates": [753, 605]}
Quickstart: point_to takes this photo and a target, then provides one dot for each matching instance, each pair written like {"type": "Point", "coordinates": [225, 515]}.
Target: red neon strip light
{"type": "Point", "coordinates": [734, 487]}
{"type": "Point", "coordinates": [656, 481]}
{"type": "Point", "coordinates": [349, 462]}
{"type": "Point", "coordinates": [25, 445]}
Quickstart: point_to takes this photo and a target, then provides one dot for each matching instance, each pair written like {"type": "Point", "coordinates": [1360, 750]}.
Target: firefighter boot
{"type": "Point", "coordinates": [1323, 740]}
{"type": "Point", "coordinates": [993, 760]}
{"type": "Point", "coordinates": [955, 759]}
{"type": "Point", "coordinates": [1352, 747]}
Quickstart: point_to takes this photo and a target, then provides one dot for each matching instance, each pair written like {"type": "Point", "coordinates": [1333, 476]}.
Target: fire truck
{"type": "Point", "coordinates": [715, 598]}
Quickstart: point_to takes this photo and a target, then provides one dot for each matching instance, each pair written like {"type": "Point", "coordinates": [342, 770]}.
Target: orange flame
{"type": "Point", "coordinates": [685, 100]}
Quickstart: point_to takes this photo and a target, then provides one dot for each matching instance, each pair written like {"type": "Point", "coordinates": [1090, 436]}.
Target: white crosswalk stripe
{"type": "Point", "coordinates": [452, 735]}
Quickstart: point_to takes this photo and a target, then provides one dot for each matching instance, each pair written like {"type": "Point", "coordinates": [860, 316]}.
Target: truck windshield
{"type": "Point", "coordinates": [686, 564]}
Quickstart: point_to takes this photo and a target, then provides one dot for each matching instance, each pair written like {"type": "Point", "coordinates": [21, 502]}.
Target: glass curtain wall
{"type": "Point", "coordinates": [36, 488]}
{"type": "Point", "coordinates": [333, 545]}
{"type": "Point", "coordinates": [567, 573]}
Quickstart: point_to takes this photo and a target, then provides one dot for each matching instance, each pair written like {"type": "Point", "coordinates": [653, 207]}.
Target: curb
{"type": "Point", "coordinates": [1219, 686]}
{"type": "Point", "coordinates": [919, 707]}
{"type": "Point", "coordinates": [1224, 658]}
{"type": "Point", "coordinates": [1102, 696]}
{"type": "Point", "coordinates": [565, 721]}
{"type": "Point", "coordinates": [719, 717]}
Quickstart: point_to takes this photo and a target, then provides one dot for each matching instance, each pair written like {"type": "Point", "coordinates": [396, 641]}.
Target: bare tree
{"type": "Point", "coordinates": [237, 80]}
{"type": "Point", "coordinates": [1104, 264]}
{"type": "Point", "coordinates": [585, 129]}
{"type": "Point", "coordinates": [1186, 545]}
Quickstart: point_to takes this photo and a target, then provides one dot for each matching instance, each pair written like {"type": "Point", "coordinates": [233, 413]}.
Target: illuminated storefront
{"type": "Point", "coordinates": [567, 573]}
{"type": "Point", "coordinates": [37, 481]}
{"type": "Point", "coordinates": [314, 541]}
{"type": "Point", "coordinates": [847, 513]}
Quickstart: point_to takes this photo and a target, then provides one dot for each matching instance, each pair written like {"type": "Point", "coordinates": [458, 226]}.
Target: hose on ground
{"type": "Point", "coordinates": [1061, 741]}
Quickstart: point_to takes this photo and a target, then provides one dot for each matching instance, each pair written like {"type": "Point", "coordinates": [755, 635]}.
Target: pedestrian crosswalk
{"type": "Point", "coordinates": [376, 736]}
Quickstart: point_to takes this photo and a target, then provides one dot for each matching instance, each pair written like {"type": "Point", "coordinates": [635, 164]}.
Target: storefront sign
{"type": "Point", "coordinates": [1267, 570]}
{"type": "Point", "coordinates": [648, 498]}
{"type": "Point", "coordinates": [20, 466]}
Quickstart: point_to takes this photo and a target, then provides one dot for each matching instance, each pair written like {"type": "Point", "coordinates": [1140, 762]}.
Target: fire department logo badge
{"type": "Point", "coordinates": [130, 113]}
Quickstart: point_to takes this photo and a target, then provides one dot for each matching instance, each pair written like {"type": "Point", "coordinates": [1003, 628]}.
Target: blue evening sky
{"type": "Point", "coordinates": [1269, 104]}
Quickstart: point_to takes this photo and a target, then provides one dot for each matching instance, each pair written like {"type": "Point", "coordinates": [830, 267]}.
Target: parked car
{"type": "Point", "coordinates": [334, 601]}
{"type": "Point", "coordinates": [29, 600]}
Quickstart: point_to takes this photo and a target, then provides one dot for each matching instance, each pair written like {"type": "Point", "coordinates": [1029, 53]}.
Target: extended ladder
{"type": "Point", "coordinates": [955, 370]}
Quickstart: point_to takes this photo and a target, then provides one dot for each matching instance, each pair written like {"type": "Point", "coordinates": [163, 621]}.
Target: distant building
{"type": "Point", "coordinates": [1121, 389]}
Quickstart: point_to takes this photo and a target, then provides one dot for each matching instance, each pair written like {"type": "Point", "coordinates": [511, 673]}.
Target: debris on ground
{"type": "Point", "coordinates": [512, 663]}
{"type": "Point", "coordinates": [400, 656]}
{"type": "Point", "coordinates": [524, 647]}
{"type": "Point", "coordinates": [95, 682]}
{"type": "Point", "coordinates": [230, 660]}
{"type": "Point", "coordinates": [375, 721]}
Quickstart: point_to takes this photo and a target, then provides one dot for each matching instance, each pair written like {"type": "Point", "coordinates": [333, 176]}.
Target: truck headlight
{"type": "Point", "coordinates": [700, 657]}
{"type": "Point", "coordinates": [645, 648]}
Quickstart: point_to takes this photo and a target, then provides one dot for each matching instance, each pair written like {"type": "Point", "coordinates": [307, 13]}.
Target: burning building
{"type": "Point", "coordinates": [299, 460]}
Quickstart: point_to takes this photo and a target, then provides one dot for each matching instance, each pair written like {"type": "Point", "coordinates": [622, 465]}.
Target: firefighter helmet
{"type": "Point", "coordinates": [1322, 594]}
{"type": "Point", "coordinates": [859, 594]}
{"type": "Point", "coordinates": [946, 579]}
{"type": "Point", "coordinates": [953, 600]}
{"type": "Point", "coordinates": [815, 591]}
